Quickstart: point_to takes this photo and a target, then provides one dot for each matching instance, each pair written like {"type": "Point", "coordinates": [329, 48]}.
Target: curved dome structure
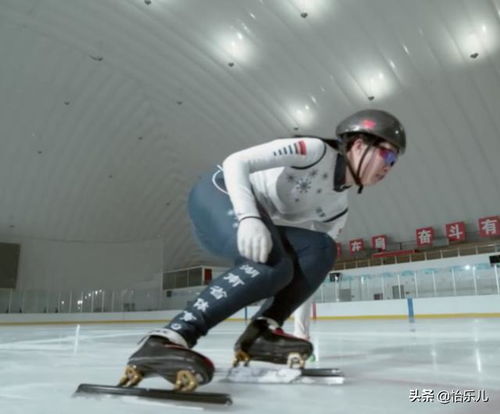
{"type": "Point", "coordinates": [110, 110]}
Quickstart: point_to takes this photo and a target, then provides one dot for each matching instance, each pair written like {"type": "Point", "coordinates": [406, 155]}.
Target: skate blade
{"type": "Point", "coordinates": [322, 372]}
{"type": "Point", "coordinates": [195, 397]}
{"type": "Point", "coordinates": [325, 376]}
{"type": "Point", "coordinates": [259, 375]}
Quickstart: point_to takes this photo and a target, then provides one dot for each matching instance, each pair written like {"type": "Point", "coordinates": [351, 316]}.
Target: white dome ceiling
{"type": "Point", "coordinates": [109, 110]}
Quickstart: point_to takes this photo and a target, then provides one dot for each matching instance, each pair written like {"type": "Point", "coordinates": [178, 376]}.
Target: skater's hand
{"type": "Point", "coordinates": [254, 239]}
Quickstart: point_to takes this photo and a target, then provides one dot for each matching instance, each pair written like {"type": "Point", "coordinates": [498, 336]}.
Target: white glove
{"type": "Point", "coordinates": [254, 239]}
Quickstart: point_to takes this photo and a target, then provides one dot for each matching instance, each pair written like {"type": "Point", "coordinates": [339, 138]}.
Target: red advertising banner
{"type": "Point", "coordinates": [455, 231]}
{"type": "Point", "coordinates": [379, 242]}
{"type": "Point", "coordinates": [207, 275]}
{"type": "Point", "coordinates": [425, 236]}
{"type": "Point", "coordinates": [356, 245]}
{"type": "Point", "coordinates": [489, 226]}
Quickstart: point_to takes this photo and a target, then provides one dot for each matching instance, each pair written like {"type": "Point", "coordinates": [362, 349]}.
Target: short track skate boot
{"type": "Point", "coordinates": [181, 366]}
{"type": "Point", "coordinates": [260, 343]}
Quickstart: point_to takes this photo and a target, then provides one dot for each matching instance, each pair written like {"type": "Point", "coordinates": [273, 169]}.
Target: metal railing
{"type": "Point", "coordinates": [467, 280]}
{"type": "Point", "coordinates": [478, 279]}
{"type": "Point", "coordinates": [39, 301]}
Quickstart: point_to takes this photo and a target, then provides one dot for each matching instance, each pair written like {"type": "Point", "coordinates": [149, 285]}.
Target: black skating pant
{"type": "Point", "coordinates": [297, 264]}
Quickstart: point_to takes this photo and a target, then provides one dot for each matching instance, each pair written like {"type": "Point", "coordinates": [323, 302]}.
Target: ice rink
{"type": "Point", "coordinates": [385, 361]}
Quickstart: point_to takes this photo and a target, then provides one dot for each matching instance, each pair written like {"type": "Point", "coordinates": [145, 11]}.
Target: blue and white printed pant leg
{"type": "Point", "coordinates": [210, 210]}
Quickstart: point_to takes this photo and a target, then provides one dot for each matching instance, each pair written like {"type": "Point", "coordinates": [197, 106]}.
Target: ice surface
{"type": "Point", "coordinates": [383, 360]}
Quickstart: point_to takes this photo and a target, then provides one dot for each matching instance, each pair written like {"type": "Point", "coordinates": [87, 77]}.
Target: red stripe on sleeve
{"type": "Point", "coordinates": [302, 148]}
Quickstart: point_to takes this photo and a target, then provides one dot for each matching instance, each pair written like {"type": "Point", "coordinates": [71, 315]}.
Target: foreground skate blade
{"type": "Point", "coordinates": [241, 356]}
{"type": "Point", "coordinates": [131, 377]}
{"type": "Point", "coordinates": [194, 397]}
{"type": "Point", "coordinates": [185, 381]}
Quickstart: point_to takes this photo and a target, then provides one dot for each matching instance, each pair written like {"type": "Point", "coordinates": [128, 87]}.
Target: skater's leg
{"type": "Point", "coordinates": [302, 319]}
{"type": "Point", "coordinates": [242, 285]}
{"type": "Point", "coordinates": [211, 213]}
{"type": "Point", "coordinates": [166, 351]}
{"type": "Point", "coordinates": [313, 256]}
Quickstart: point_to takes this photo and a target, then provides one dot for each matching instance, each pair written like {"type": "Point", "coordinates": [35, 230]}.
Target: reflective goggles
{"type": "Point", "coordinates": [390, 156]}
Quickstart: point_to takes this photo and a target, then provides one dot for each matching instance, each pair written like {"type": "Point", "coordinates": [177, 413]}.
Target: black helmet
{"type": "Point", "coordinates": [374, 122]}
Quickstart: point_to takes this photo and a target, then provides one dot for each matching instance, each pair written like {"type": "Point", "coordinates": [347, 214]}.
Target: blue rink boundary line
{"type": "Point", "coordinates": [319, 318]}
{"type": "Point", "coordinates": [411, 312]}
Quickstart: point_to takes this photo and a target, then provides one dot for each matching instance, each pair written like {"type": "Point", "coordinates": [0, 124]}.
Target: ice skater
{"type": "Point", "coordinates": [275, 210]}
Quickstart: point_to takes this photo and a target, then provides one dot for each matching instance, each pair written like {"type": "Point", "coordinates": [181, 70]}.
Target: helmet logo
{"type": "Point", "coordinates": [368, 123]}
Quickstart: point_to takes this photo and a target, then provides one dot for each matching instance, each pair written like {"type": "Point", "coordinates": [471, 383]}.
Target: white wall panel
{"type": "Point", "coordinates": [62, 266]}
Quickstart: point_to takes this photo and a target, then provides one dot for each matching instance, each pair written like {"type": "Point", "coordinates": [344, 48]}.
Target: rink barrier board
{"type": "Point", "coordinates": [319, 318]}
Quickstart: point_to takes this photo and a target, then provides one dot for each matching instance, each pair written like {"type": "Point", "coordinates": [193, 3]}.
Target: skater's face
{"type": "Point", "coordinates": [377, 162]}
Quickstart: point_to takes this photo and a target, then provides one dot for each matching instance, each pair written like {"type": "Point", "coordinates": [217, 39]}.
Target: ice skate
{"type": "Point", "coordinates": [261, 343]}
{"type": "Point", "coordinates": [158, 355]}
{"type": "Point", "coordinates": [181, 366]}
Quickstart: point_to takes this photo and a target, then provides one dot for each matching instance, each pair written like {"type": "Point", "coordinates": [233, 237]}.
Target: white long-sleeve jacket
{"type": "Point", "coordinates": [299, 182]}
